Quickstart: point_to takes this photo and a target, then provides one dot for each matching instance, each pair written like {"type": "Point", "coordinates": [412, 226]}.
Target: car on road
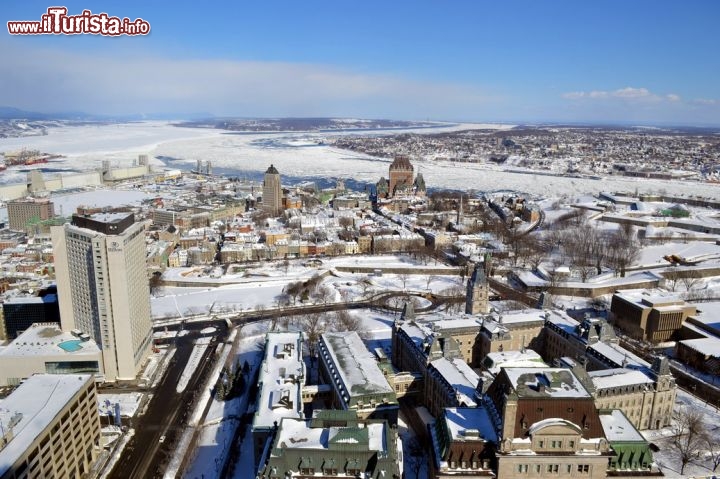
{"type": "Point", "coordinates": [162, 439]}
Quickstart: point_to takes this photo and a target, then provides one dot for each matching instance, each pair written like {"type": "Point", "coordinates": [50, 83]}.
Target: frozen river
{"type": "Point", "coordinates": [298, 156]}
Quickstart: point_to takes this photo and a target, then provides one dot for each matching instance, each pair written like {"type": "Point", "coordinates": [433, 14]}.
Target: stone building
{"type": "Point", "coordinates": [464, 442]}
{"type": "Point", "coordinates": [401, 176]}
{"type": "Point", "coordinates": [332, 444]}
{"type": "Point", "coordinates": [548, 425]}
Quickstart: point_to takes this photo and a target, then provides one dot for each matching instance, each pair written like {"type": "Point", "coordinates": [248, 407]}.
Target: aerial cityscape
{"type": "Point", "coordinates": [406, 240]}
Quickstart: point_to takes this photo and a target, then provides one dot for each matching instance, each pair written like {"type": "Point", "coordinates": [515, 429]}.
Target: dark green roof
{"type": "Point", "coordinates": [272, 170]}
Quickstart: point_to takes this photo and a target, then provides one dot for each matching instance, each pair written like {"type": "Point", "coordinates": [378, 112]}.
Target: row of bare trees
{"type": "Point", "coordinates": [315, 324]}
{"type": "Point", "coordinates": [691, 437]}
{"type": "Point", "coordinates": [576, 243]}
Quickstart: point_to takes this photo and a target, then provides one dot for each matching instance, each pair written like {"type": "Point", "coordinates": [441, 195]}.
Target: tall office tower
{"type": "Point", "coordinates": [272, 193]}
{"type": "Point", "coordinates": [103, 287]}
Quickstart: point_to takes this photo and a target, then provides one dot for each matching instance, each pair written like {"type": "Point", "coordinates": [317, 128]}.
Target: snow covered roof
{"type": "Point", "coordinates": [281, 378]}
{"type": "Point", "coordinates": [546, 382]}
{"type": "Point", "coordinates": [356, 366]}
{"type": "Point", "coordinates": [43, 339]}
{"type": "Point", "coordinates": [297, 434]}
{"type": "Point", "coordinates": [469, 424]}
{"type": "Point", "coordinates": [30, 409]}
{"type": "Point", "coordinates": [618, 355]}
{"type": "Point", "coordinates": [552, 421]}
{"type": "Point", "coordinates": [417, 332]}
{"type": "Point", "coordinates": [617, 427]}
{"type": "Point", "coordinates": [459, 323]}
{"type": "Point", "coordinates": [618, 377]}
{"type": "Point", "coordinates": [513, 359]}
{"type": "Point", "coordinates": [460, 376]}
{"type": "Point", "coordinates": [705, 346]}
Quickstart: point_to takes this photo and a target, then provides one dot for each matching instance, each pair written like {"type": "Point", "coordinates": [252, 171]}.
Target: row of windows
{"type": "Point", "coordinates": [556, 444]}
{"type": "Point", "coordinates": [553, 468]}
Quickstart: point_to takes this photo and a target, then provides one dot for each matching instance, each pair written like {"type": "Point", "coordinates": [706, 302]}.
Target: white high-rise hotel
{"type": "Point", "coordinates": [103, 287]}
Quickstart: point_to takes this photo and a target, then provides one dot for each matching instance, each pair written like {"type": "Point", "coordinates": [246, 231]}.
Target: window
{"type": "Point", "coordinates": [583, 468]}
{"type": "Point", "coordinates": [541, 444]}
{"type": "Point", "coordinates": [571, 444]}
{"type": "Point", "coordinates": [553, 468]}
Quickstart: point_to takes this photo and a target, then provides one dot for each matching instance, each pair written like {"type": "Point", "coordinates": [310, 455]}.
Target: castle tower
{"type": "Point", "coordinates": [401, 175]}
{"type": "Point", "coordinates": [272, 193]}
{"type": "Point", "coordinates": [381, 188]}
{"type": "Point", "coordinates": [477, 300]}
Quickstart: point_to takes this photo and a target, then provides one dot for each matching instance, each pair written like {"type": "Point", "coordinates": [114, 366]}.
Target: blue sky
{"type": "Point", "coordinates": [519, 61]}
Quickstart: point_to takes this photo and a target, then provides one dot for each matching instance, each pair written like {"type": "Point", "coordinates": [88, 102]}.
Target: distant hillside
{"type": "Point", "coordinates": [301, 124]}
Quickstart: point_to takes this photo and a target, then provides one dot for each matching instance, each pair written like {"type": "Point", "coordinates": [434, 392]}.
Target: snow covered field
{"type": "Point", "coordinates": [262, 288]}
{"type": "Point", "coordinates": [86, 147]}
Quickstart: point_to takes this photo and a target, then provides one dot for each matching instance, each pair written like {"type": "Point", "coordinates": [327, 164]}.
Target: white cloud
{"type": "Point", "coordinates": [624, 94]}
{"type": "Point", "coordinates": [706, 101]}
{"type": "Point", "coordinates": [58, 80]}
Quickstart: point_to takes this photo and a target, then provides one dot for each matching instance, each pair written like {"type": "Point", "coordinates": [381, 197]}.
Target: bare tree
{"type": "Point", "coordinates": [672, 276]}
{"type": "Point", "coordinates": [417, 456]}
{"type": "Point", "coordinates": [294, 289]}
{"type": "Point", "coordinates": [156, 284]}
{"type": "Point", "coordinates": [313, 326]}
{"type": "Point", "coordinates": [690, 280]}
{"type": "Point", "coordinates": [713, 448]}
{"type": "Point", "coordinates": [404, 278]}
{"type": "Point", "coordinates": [324, 294]}
{"type": "Point", "coordinates": [624, 249]}
{"type": "Point", "coordinates": [345, 321]}
{"type": "Point", "coordinates": [689, 431]}
{"type": "Point", "coordinates": [430, 279]}
{"type": "Point", "coordinates": [365, 285]}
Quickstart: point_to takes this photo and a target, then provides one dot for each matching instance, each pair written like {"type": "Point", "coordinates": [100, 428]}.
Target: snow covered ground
{"type": "Point", "coordinates": [668, 459]}
{"type": "Point", "coordinates": [263, 287]}
{"type": "Point", "coordinates": [199, 349]}
{"type": "Point", "coordinates": [86, 147]}
{"type": "Point", "coordinates": [223, 418]}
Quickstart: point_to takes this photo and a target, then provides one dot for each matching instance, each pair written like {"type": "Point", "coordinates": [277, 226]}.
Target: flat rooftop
{"type": "Point", "coordinates": [617, 427]}
{"type": "Point", "coordinates": [469, 424]}
{"type": "Point", "coordinates": [356, 366]}
{"type": "Point", "coordinates": [513, 359]}
{"type": "Point", "coordinates": [32, 407]}
{"type": "Point", "coordinates": [43, 339]}
{"type": "Point", "coordinates": [608, 378]}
